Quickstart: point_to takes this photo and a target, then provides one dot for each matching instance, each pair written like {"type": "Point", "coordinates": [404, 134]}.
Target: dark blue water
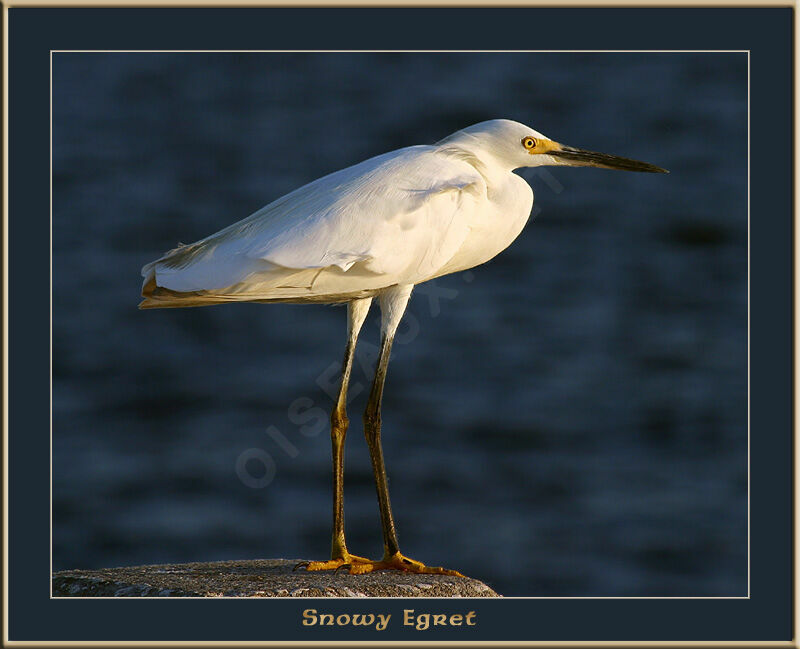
{"type": "Point", "coordinates": [569, 419]}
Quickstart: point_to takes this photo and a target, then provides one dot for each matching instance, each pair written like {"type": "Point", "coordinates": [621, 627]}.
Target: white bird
{"type": "Point", "coordinates": [373, 230]}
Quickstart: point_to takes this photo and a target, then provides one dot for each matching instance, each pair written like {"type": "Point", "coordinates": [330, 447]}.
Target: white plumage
{"type": "Point", "coordinates": [372, 230]}
{"type": "Point", "coordinates": [399, 218]}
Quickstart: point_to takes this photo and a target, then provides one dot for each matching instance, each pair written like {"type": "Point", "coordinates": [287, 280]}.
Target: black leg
{"type": "Point", "coordinates": [357, 313]}
{"type": "Point", "coordinates": [393, 304]}
{"type": "Point", "coordinates": [339, 423]}
{"type": "Point", "coordinates": [372, 431]}
{"type": "Point", "coordinates": [393, 559]}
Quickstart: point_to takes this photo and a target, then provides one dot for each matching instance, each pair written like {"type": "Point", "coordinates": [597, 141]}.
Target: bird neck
{"type": "Point", "coordinates": [494, 171]}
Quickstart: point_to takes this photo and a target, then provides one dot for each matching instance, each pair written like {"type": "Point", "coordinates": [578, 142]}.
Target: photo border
{"type": "Point", "coordinates": [311, 643]}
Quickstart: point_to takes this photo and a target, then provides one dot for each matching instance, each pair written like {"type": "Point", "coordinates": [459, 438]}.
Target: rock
{"type": "Point", "coordinates": [257, 578]}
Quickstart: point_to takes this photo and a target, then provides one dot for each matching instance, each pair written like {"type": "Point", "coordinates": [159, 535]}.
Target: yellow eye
{"type": "Point", "coordinates": [528, 142]}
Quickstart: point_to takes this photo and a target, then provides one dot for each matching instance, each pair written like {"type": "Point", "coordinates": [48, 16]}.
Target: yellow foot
{"type": "Point", "coordinates": [334, 564]}
{"type": "Point", "coordinates": [399, 562]}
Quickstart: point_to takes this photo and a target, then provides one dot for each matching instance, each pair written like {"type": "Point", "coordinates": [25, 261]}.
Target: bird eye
{"type": "Point", "coordinates": [528, 142]}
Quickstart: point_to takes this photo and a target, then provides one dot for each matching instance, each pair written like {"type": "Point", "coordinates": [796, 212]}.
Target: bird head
{"type": "Point", "coordinates": [514, 145]}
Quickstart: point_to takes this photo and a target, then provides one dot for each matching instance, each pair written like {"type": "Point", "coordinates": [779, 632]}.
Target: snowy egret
{"type": "Point", "coordinates": [373, 230]}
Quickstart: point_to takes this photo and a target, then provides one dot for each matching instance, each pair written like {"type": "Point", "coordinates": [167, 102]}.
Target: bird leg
{"type": "Point", "coordinates": [393, 304]}
{"type": "Point", "coordinates": [357, 313]}
{"type": "Point", "coordinates": [372, 432]}
{"type": "Point", "coordinates": [392, 557]}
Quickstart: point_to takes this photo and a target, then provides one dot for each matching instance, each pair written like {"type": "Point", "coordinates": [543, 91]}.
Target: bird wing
{"type": "Point", "coordinates": [395, 218]}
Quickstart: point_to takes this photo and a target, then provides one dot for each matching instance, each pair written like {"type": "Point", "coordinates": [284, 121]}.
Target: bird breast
{"type": "Point", "coordinates": [495, 224]}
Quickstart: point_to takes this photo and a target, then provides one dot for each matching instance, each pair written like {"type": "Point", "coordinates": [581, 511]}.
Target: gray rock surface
{"type": "Point", "coordinates": [257, 578]}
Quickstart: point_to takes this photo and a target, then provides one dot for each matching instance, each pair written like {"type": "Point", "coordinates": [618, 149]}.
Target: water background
{"type": "Point", "coordinates": [569, 419]}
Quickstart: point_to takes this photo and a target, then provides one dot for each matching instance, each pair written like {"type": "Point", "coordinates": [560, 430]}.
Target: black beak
{"type": "Point", "coordinates": [581, 158]}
